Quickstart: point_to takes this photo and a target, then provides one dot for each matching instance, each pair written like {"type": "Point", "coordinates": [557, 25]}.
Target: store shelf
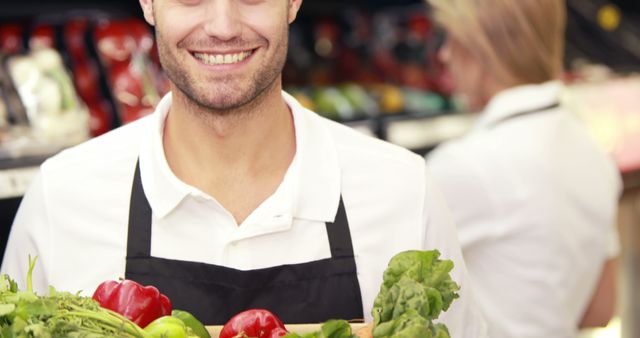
{"type": "Point", "coordinates": [16, 175]}
{"type": "Point", "coordinates": [27, 9]}
{"type": "Point", "coordinates": [368, 127]}
{"type": "Point", "coordinates": [14, 182]}
{"type": "Point", "coordinates": [422, 134]}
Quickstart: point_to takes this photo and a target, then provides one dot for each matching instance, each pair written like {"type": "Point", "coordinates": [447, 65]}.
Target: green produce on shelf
{"type": "Point", "coordinates": [331, 103]}
{"type": "Point", "coordinates": [303, 98]}
{"type": "Point", "coordinates": [423, 103]}
{"type": "Point", "coordinates": [361, 101]}
{"type": "Point", "coordinates": [390, 98]}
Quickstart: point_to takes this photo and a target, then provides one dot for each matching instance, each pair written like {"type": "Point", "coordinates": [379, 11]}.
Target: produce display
{"type": "Point", "coordinates": [126, 50]}
{"type": "Point", "coordinates": [71, 77]}
{"type": "Point", "coordinates": [357, 66]}
{"type": "Point", "coordinates": [416, 288]}
{"type": "Point", "coordinates": [361, 64]}
{"type": "Point", "coordinates": [86, 75]}
{"type": "Point", "coordinates": [352, 101]}
{"type": "Point", "coordinates": [40, 111]}
{"type": "Point", "coordinates": [47, 93]}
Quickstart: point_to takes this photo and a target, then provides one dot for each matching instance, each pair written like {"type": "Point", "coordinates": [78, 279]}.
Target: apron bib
{"type": "Point", "coordinates": [310, 292]}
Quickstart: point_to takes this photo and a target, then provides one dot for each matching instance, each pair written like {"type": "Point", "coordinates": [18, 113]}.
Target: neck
{"type": "Point", "coordinates": [247, 148]}
{"type": "Point", "coordinates": [490, 88]}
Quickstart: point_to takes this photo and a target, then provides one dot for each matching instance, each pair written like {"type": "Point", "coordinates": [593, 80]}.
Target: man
{"type": "Point", "coordinates": [533, 197]}
{"type": "Point", "coordinates": [240, 197]}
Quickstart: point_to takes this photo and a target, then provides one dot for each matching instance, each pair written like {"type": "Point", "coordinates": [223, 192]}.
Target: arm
{"type": "Point", "coordinates": [29, 236]}
{"type": "Point", "coordinates": [603, 303]}
{"type": "Point", "coordinates": [463, 318]}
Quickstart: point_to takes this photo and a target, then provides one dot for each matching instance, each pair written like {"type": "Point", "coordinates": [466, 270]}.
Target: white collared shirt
{"type": "Point", "coordinates": [75, 215]}
{"type": "Point", "coordinates": [535, 203]}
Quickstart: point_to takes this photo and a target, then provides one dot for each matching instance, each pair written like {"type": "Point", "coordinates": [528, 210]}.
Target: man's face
{"type": "Point", "coordinates": [222, 54]}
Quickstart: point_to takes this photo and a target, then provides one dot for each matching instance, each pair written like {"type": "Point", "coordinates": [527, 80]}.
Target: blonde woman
{"type": "Point", "coordinates": [533, 197]}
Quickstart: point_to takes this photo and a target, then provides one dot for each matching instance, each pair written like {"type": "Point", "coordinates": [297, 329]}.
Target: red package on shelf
{"type": "Point", "coordinates": [42, 36]}
{"type": "Point", "coordinates": [74, 32]}
{"type": "Point", "coordinates": [114, 42]}
{"type": "Point", "coordinates": [11, 38]}
{"type": "Point", "coordinates": [126, 49]}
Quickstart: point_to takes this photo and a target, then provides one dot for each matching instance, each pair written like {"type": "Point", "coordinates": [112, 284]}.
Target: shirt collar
{"type": "Point", "coordinates": [317, 192]}
{"type": "Point", "coordinates": [312, 182]}
{"type": "Point", "coordinates": [162, 188]}
{"type": "Point", "coordinates": [519, 99]}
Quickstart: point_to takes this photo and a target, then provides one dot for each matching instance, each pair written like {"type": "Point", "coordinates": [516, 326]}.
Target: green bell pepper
{"type": "Point", "coordinates": [191, 322]}
{"type": "Point", "coordinates": [167, 327]}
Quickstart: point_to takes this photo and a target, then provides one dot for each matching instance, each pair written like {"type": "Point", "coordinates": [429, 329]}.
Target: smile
{"type": "Point", "coordinates": [222, 59]}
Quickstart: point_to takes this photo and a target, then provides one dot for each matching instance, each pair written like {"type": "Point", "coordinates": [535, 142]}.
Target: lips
{"type": "Point", "coordinates": [222, 59]}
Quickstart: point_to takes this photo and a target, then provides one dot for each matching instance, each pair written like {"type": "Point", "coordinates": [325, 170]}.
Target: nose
{"type": "Point", "coordinates": [222, 20]}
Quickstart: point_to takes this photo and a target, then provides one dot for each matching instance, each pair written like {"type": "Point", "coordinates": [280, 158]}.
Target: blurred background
{"type": "Point", "coordinates": [74, 69]}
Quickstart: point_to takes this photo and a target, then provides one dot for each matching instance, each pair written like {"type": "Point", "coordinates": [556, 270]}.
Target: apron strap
{"type": "Point", "coordinates": [339, 234]}
{"type": "Point", "coordinates": [139, 233]}
{"type": "Point", "coordinates": [139, 230]}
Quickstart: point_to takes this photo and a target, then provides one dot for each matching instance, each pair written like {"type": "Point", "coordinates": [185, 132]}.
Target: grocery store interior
{"type": "Point", "coordinates": [371, 65]}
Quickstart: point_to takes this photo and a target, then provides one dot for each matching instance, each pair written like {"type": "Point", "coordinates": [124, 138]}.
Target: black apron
{"type": "Point", "coordinates": [310, 292]}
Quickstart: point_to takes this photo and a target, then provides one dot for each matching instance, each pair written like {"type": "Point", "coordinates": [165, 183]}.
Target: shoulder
{"type": "Point", "coordinates": [456, 159]}
{"type": "Point", "coordinates": [357, 149]}
{"type": "Point", "coordinates": [100, 156]}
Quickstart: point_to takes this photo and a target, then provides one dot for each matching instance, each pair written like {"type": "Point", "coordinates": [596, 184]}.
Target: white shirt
{"type": "Point", "coordinates": [74, 216]}
{"type": "Point", "coordinates": [535, 203]}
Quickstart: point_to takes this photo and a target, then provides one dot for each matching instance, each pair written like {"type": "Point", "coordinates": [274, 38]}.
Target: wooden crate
{"type": "Point", "coordinates": [298, 328]}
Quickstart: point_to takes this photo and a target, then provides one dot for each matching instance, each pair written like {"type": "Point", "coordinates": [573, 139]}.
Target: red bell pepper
{"type": "Point", "coordinates": [255, 323]}
{"type": "Point", "coordinates": [140, 304]}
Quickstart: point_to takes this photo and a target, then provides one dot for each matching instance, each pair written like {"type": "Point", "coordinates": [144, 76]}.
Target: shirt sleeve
{"type": "Point", "coordinates": [463, 318]}
{"type": "Point", "coordinates": [612, 243]}
{"type": "Point", "coordinates": [29, 237]}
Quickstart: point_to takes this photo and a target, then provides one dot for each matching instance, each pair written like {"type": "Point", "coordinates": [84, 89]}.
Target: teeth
{"type": "Point", "coordinates": [221, 59]}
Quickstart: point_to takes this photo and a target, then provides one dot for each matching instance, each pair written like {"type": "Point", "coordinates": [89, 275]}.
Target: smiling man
{"type": "Point", "coordinates": [232, 195]}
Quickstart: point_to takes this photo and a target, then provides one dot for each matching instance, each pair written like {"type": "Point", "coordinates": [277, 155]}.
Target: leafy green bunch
{"type": "Point", "coordinates": [417, 287]}
{"type": "Point", "coordinates": [24, 314]}
{"type": "Point", "coordinates": [330, 329]}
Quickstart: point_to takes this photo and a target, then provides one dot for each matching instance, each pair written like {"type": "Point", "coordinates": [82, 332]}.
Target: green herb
{"type": "Point", "coordinates": [24, 314]}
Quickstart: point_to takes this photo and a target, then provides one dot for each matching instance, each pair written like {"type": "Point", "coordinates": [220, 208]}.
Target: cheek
{"type": "Point", "coordinates": [267, 21]}
{"type": "Point", "coordinates": [171, 28]}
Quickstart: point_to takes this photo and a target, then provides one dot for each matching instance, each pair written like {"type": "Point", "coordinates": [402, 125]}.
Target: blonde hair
{"type": "Point", "coordinates": [518, 41]}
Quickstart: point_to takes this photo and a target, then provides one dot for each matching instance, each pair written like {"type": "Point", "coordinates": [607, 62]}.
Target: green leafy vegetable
{"type": "Point", "coordinates": [330, 329]}
{"type": "Point", "coordinates": [416, 289]}
{"type": "Point", "coordinates": [24, 314]}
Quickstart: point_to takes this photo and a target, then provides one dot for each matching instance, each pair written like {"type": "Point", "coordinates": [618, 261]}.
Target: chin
{"type": "Point", "coordinates": [223, 103]}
